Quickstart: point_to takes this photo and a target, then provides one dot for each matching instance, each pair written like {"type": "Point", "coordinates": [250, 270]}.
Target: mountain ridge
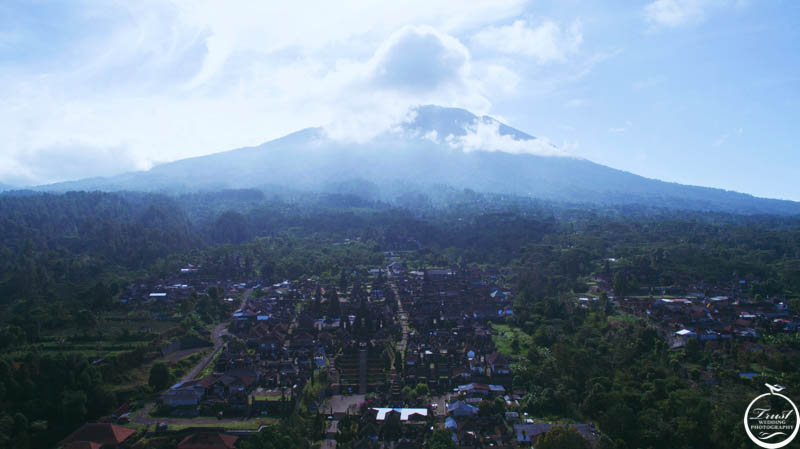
{"type": "Point", "coordinates": [428, 149]}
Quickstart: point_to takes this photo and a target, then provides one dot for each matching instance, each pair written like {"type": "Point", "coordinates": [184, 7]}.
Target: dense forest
{"type": "Point", "coordinates": [52, 241]}
{"type": "Point", "coordinates": [66, 258]}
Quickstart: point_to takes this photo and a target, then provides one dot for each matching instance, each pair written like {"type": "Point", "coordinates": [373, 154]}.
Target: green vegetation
{"type": "Point", "coordinates": [73, 350]}
{"type": "Point", "coordinates": [440, 439]}
{"type": "Point", "coordinates": [160, 377]}
{"type": "Point", "coordinates": [210, 367]}
{"type": "Point", "coordinates": [619, 373]}
{"type": "Point", "coordinates": [562, 438]}
{"type": "Point", "coordinates": [511, 341]}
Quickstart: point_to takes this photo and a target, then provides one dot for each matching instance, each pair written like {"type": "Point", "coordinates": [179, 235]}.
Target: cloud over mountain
{"type": "Point", "coordinates": [675, 13]}
{"type": "Point", "coordinates": [546, 42]}
{"type": "Point", "coordinates": [485, 135]}
{"type": "Point", "coordinates": [177, 79]}
{"type": "Point", "coordinates": [420, 59]}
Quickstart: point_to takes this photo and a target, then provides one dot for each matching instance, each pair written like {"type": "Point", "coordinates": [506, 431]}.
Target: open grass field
{"type": "Point", "coordinates": [242, 424]}
{"type": "Point", "coordinates": [504, 336]}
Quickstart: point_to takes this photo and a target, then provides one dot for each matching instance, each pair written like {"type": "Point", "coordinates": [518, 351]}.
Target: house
{"type": "Point", "coordinates": [460, 408]}
{"type": "Point", "coordinates": [302, 339]}
{"type": "Point", "coordinates": [461, 373]}
{"type": "Point", "coordinates": [397, 268]}
{"type": "Point", "coordinates": [208, 440]}
{"type": "Point", "coordinates": [233, 384]}
{"type": "Point", "coordinates": [473, 389]}
{"type": "Point", "coordinates": [96, 435]}
{"type": "Point", "coordinates": [498, 363]}
{"type": "Point", "coordinates": [262, 399]}
{"type": "Point", "coordinates": [185, 394]}
{"type": "Point", "coordinates": [527, 433]}
{"type": "Point", "coordinates": [332, 429]}
{"type": "Point", "coordinates": [182, 397]}
{"type": "Point", "coordinates": [406, 414]}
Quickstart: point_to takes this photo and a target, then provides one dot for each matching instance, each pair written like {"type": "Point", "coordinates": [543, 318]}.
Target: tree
{"type": "Point", "coordinates": [316, 306]}
{"type": "Point", "coordinates": [237, 345]}
{"type": "Point", "coordinates": [391, 429]}
{"type": "Point", "coordinates": [73, 406]}
{"type": "Point", "coordinates": [441, 439]}
{"type": "Point", "coordinates": [422, 390]}
{"type": "Point", "coordinates": [11, 336]}
{"type": "Point", "coordinates": [100, 296]}
{"type": "Point", "coordinates": [273, 437]}
{"type": "Point", "coordinates": [230, 227]}
{"type": "Point", "coordinates": [160, 377]}
{"type": "Point", "coordinates": [605, 301]}
{"type": "Point", "coordinates": [562, 438]}
{"type": "Point", "coordinates": [85, 319]}
{"type": "Point", "coordinates": [620, 284]}
{"type": "Point", "coordinates": [492, 408]}
{"type": "Point", "coordinates": [334, 308]}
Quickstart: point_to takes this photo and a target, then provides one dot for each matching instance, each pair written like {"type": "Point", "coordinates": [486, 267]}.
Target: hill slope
{"type": "Point", "coordinates": [436, 147]}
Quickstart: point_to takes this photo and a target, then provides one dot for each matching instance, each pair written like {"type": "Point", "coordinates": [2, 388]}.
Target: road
{"type": "Point", "coordinates": [216, 337]}
{"type": "Point", "coordinates": [402, 316]}
{"type": "Point", "coordinates": [143, 416]}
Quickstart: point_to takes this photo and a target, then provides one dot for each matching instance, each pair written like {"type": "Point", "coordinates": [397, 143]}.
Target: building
{"type": "Point", "coordinates": [97, 435]}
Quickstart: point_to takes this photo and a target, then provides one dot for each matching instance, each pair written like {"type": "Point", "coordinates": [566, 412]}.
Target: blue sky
{"type": "Point", "coordinates": [702, 92]}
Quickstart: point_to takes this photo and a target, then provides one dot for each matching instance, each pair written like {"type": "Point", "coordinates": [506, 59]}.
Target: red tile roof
{"type": "Point", "coordinates": [208, 440]}
{"type": "Point", "coordinates": [83, 445]}
{"type": "Point", "coordinates": [98, 433]}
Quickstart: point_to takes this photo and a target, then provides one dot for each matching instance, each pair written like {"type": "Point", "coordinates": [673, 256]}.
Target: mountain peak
{"type": "Point", "coordinates": [447, 121]}
{"type": "Point", "coordinates": [435, 146]}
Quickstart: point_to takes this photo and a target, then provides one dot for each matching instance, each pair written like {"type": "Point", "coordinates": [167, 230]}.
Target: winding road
{"type": "Point", "coordinates": [143, 416]}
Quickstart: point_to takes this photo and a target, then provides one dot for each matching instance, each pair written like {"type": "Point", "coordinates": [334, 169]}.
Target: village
{"type": "Point", "coordinates": [702, 312]}
{"type": "Point", "coordinates": [385, 356]}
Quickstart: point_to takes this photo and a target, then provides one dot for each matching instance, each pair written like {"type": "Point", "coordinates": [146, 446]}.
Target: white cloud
{"type": "Point", "coordinates": [719, 141]}
{"type": "Point", "coordinates": [485, 135]}
{"type": "Point", "coordinates": [570, 146]}
{"type": "Point", "coordinates": [620, 129]}
{"type": "Point", "coordinates": [419, 59]}
{"type": "Point", "coordinates": [268, 27]}
{"type": "Point", "coordinates": [548, 42]}
{"type": "Point", "coordinates": [499, 78]}
{"type": "Point", "coordinates": [675, 13]}
{"type": "Point", "coordinates": [416, 65]}
{"type": "Point", "coordinates": [170, 80]}
{"type": "Point", "coordinates": [575, 103]}
{"type": "Point", "coordinates": [73, 160]}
